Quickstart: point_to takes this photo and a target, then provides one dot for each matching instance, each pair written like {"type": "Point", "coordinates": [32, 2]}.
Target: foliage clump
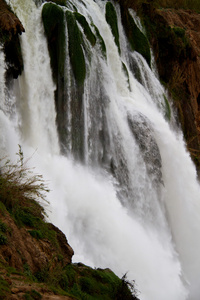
{"type": "Point", "coordinates": [84, 282]}
{"type": "Point", "coordinates": [19, 189]}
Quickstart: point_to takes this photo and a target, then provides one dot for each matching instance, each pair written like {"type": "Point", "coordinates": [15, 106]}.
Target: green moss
{"type": "Point", "coordinates": [83, 282]}
{"type": "Point", "coordinates": [40, 229]}
{"type": "Point", "coordinates": [3, 239]}
{"type": "Point", "coordinates": [75, 49]}
{"type": "Point", "coordinates": [126, 73]}
{"type": "Point", "coordinates": [86, 28]}
{"type": "Point", "coordinates": [60, 2]}
{"type": "Point", "coordinates": [87, 283]}
{"type": "Point", "coordinates": [111, 18]}
{"type": "Point", "coordinates": [2, 207]}
{"type": "Point", "coordinates": [54, 26]}
{"type": "Point", "coordinates": [181, 33]}
{"type": "Point", "coordinates": [32, 295]}
{"type": "Point", "coordinates": [37, 234]}
{"type": "Point", "coordinates": [4, 288]}
{"type": "Point", "coordinates": [137, 39]}
{"type": "Point", "coordinates": [3, 227]}
{"type": "Point", "coordinates": [167, 108]}
{"type": "Point", "coordinates": [101, 42]}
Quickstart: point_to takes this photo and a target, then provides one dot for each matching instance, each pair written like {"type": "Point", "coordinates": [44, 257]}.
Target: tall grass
{"type": "Point", "coordinates": [20, 187]}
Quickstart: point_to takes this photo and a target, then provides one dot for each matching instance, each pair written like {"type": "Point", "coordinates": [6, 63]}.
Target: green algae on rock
{"type": "Point", "coordinates": [136, 37]}
{"type": "Point", "coordinates": [111, 18]}
{"type": "Point", "coordinates": [75, 49]}
{"type": "Point", "coordinates": [86, 28]}
{"type": "Point", "coordinates": [54, 26]}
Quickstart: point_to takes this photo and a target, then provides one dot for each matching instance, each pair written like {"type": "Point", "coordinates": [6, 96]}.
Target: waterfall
{"type": "Point", "coordinates": [123, 187]}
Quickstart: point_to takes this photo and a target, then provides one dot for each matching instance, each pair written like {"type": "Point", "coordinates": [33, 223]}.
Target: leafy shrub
{"type": "Point", "coordinates": [19, 187]}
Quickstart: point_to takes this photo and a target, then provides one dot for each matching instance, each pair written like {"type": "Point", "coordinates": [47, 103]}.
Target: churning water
{"type": "Point", "coordinates": [132, 204]}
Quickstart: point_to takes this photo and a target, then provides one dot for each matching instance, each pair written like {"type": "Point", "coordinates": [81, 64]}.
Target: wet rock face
{"type": "Point", "coordinates": [143, 133]}
{"type": "Point", "coordinates": [174, 35]}
{"type": "Point", "coordinates": [180, 69]}
{"type": "Point", "coordinates": [10, 29]}
{"type": "Point", "coordinates": [9, 23]}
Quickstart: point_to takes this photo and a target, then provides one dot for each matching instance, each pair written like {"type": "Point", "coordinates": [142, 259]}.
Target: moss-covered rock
{"type": "Point", "coordinates": [136, 37]}
{"type": "Point", "coordinates": [124, 68]}
{"type": "Point", "coordinates": [167, 108]}
{"type": "Point", "coordinates": [86, 28]}
{"type": "Point", "coordinates": [54, 26]}
{"type": "Point", "coordinates": [59, 2]}
{"type": "Point", "coordinates": [111, 18]}
{"type": "Point", "coordinates": [75, 49]}
{"type": "Point", "coordinates": [101, 42]}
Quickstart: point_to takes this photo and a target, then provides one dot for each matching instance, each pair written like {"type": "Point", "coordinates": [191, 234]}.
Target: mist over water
{"type": "Point", "coordinates": [133, 203]}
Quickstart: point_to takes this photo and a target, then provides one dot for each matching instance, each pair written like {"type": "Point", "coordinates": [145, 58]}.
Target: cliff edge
{"type": "Point", "coordinates": [176, 44]}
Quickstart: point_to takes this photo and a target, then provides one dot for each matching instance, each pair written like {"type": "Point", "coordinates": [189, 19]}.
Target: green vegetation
{"type": "Point", "coordinates": [86, 28]}
{"type": "Point", "coordinates": [111, 18]}
{"type": "Point", "coordinates": [32, 295]}
{"type": "Point", "coordinates": [167, 108]}
{"type": "Point", "coordinates": [3, 227]}
{"type": "Point", "coordinates": [137, 39]}
{"type": "Point", "coordinates": [3, 239]}
{"type": "Point", "coordinates": [54, 26]}
{"type": "Point", "coordinates": [126, 73]}
{"type": "Point", "coordinates": [101, 42]}
{"type": "Point", "coordinates": [83, 282]}
{"type": "Point", "coordinates": [60, 2]}
{"type": "Point", "coordinates": [19, 188]}
{"type": "Point", "coordinates": [4, 288]}
{"type": "Point", "coordinates": [75, 49]}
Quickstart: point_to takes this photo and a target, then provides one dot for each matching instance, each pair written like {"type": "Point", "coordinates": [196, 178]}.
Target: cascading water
{"type": "Point", "coordinates": [133, 203]}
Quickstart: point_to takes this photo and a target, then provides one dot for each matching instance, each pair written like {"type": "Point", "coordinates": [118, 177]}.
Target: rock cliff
{"type": "Point", "coordinates": [175, 37]}
{"type": "Point", "coordinates": [176, 44]}
{"type": "Point", "coordinates": [10, 28]}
